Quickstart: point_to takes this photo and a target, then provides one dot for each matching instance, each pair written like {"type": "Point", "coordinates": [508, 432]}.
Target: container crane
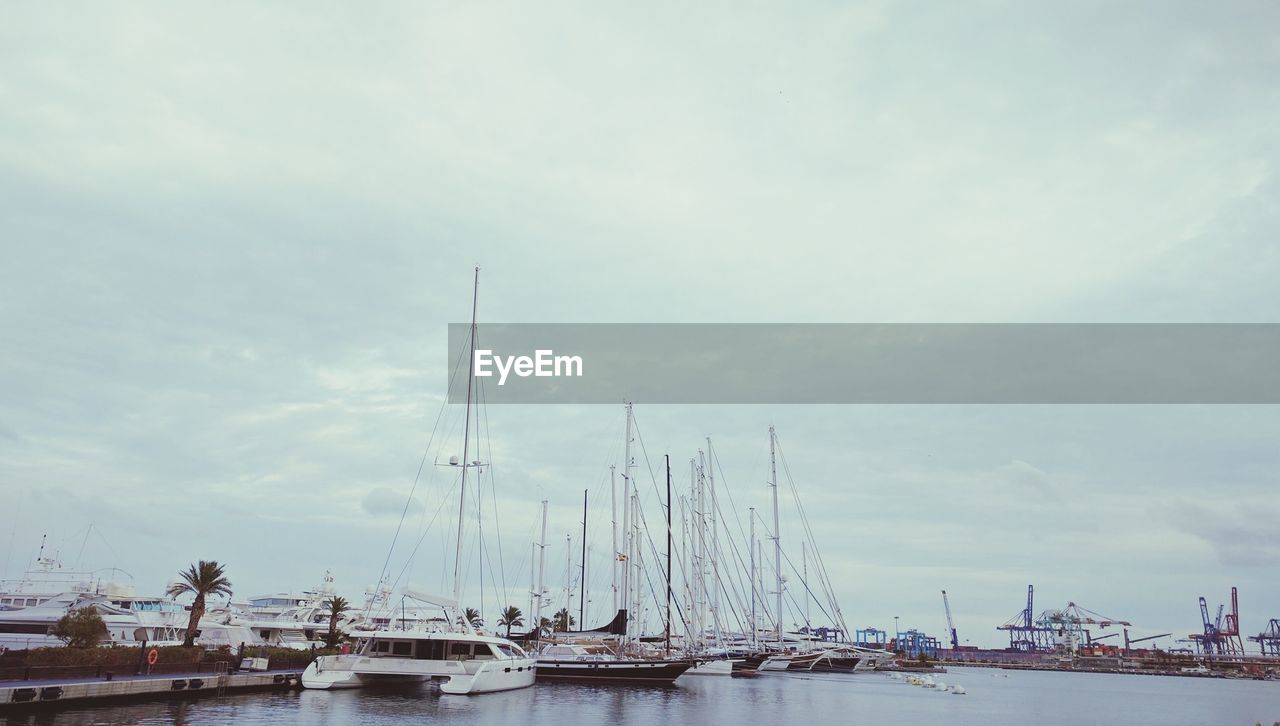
{"type": "Point", "coordinates": [1269, 639]}
{"type": "Point", "coordinates": [1220, 635]}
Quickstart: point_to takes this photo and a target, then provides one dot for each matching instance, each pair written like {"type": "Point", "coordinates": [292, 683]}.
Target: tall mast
{"type": "Point", "coordinates": [751, 545]}
{"type": "Point", "coordinates": [625, 556]}
{"type": "Point", "coordinates": [715, 543]}
{"type": "Point", "coordinates": [568, 578]}
{"type": "Point", "coordinates": [667, 458]}
{"type": "Point", "coordinates": [777, 539]}
{"type": "Point", "coordinates": [542, 563]}
{"type": "Point", "coordinates": [684, 566]}
{"type": "Point", "coordinates": [695, 530]}
{"type": "Point", "coordinates": [582, 599]}
{"type": "Point", "coordinates": [759, 583]}
{"type": "Point", "coordinates": [466, 441]}
{"type": "Point", "coordinates": [613, 507]}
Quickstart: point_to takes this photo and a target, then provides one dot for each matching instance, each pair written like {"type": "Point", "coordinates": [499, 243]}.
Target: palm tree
{"type": "Point", "coordinates": [203, 578]}
{"type": "Point", "coordinates": [471, 617]}
{"type": "Point", "coordinates": [337, 605]}
{"type": "Point", "coordinates": [511, 617]}
{"type": "Point", "coordinates": [545, 627]}
{"type": "Point", "coordinates": [564, 620]}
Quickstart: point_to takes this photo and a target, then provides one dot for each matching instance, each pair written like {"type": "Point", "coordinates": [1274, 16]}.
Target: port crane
{"type": "Point", "coordinates": [1062, 630]}
{"type": "Point", "coordinates": [1221, 634]}
{"type": "Point", "coordinates": [1130, 641]}
{"type": "Point", "coordinates": [951, 626]}
{"type": "Point", "coordinates": [1024, 633]}
{"type": "Point", "coordinates": [1269, 639]}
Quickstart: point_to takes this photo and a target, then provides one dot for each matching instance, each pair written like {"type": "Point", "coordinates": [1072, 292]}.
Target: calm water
{"type": "Point", "coordinates": [1037, 698]}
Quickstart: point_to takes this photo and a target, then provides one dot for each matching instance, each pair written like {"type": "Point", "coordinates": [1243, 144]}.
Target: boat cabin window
{"type": "Point", "coordinates": [402, 647]}
{"type": "Point", "coordinates": [381, 646]}
{"type": "Point", "coordinates": [429, 650]}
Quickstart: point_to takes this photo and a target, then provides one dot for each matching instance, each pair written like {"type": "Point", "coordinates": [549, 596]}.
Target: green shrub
{"type": "Point", "coordinates": [80, 628]}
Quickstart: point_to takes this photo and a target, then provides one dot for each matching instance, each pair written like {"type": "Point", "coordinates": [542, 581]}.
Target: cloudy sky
{"type": "Point", "coordinates": [233, 238]}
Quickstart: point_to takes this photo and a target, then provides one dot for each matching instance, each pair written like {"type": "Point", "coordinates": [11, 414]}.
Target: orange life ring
{"type": "Point", "coordinates": [152, 656]}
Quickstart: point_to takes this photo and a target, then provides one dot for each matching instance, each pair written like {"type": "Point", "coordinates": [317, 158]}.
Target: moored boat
{"type": "Point", "coordinates": [465, 663]}
{"type": "Point", "coordinates": [575, 662]}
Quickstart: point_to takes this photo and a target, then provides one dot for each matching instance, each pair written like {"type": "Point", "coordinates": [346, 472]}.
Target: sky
{"type": "Point", "coordinates": [233, 238]}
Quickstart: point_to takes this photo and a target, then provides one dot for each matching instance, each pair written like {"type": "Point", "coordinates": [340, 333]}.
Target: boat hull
{"type": "Point", "coordinates": [723, 667]}
{"type": "Point", "coordinates": [354, 671]}
{"type": "Point", "coordinates": [637, 671]}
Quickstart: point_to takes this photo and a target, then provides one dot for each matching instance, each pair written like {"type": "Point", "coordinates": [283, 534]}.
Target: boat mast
{"type": "Point", "coordinates": [582, 599]}
{"type": "Point", "coordinates": [715, 544]}
{"type": "Point", "coordinates": [759, 583]}
{"type": "Point", "coordinates": [542, 563]}
{"type": "Point", "coordinates": [695, 529]}
{"type": "Point", "coordinates": [684, 567]}
{"type": "Point", "coordinates": [777, 539]}
{"type": "Point", "coordinates": [625, 557]}
{"type": "Point", "coordinates": [751, 545]}
{"type": "Point", "coordinates": [667, 458]}
{"type": "Point", "coordinates": [638, 553]}
{"type": "Point", "coordinates": [466, 441]}
{"type": "Point", "coordinates": [613, 508]}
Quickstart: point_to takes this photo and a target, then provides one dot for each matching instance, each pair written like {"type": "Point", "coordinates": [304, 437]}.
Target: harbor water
{"type": "Point", "coordinates": [993, 697]}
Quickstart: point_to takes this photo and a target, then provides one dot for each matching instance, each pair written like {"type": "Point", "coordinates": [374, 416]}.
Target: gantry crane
{"type": "Point", "coordinates": [1269, 639]}
{"type": "Point", "coordinates": [1220, 636]}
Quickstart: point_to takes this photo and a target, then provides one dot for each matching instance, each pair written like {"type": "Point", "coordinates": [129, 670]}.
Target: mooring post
{"type": "Point", "coordinates": [142, 654]}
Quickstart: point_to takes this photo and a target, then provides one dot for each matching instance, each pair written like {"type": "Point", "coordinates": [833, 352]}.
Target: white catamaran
{"type": "Point", "coordinates": [448, 650]}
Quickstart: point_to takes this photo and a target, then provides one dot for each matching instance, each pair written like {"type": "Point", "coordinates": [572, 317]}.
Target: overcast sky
{"type": "Point", "coordinates": [233, 237]}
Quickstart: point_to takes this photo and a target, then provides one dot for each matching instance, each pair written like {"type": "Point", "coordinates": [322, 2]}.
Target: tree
{"type": "Point", "coordinates": [564, 621]}
{"type": "Point", "coordinates": [511, 617]}
{"type": "Point", "coordinates": [336, 605]}
{"type": "Point", "coordinates": [80, 628]}
{"type": "Point", "coordinates": [471, 617]}
{"type": "Point", "coordinates": [203, 579]}
{"type": "Point", "coordinates": [545, 627]}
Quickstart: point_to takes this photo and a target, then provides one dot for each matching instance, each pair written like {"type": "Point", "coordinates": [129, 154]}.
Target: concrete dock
{"type": "Point", "coordinates": [77, 691]}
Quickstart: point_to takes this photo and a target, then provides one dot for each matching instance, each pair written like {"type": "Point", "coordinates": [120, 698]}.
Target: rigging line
{"type": "Point", "coordinates": [824, 578]}
{"type": "Point", "coordinates": [741, 564]}
{"type": "Point", "coordinates": [443, 501]}
{"type": "Point", "coordinates": [493, 490]}
{"type": "Point", "coordinates": [816, 601]}
{"type": "Point", "coordinates": [421, 464]}
{"type": "Point", "coordinates": [645, 452]}
{"type": "Point", "coordinates": [648, 579]}
{"type": "Point", "coordinates": [98, 531]}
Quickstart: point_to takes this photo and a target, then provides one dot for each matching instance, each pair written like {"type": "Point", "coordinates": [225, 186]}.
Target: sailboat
{"type": "Point", "coordinates": [801, 651]}
{"type": "Point", "coordinates": [570, 660]}
{"type": "Point", "coordinates": [465, 661]}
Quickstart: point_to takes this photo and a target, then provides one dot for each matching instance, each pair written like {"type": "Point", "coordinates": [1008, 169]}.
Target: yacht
{"type": "Point", "coordinates": [465, 662]}
{"type": "Point", "coordinates": [447, 650]}
{"type": "Point", "coordinates": [285, 620]}
{"type": "Point", "coordinates": [46, 579]}
{"type": "Point", "coordinates": [130, 619]}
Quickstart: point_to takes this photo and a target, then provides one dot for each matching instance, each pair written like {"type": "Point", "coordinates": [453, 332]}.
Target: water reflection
{"type": "Point", "coordinates": [1048, 699]}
